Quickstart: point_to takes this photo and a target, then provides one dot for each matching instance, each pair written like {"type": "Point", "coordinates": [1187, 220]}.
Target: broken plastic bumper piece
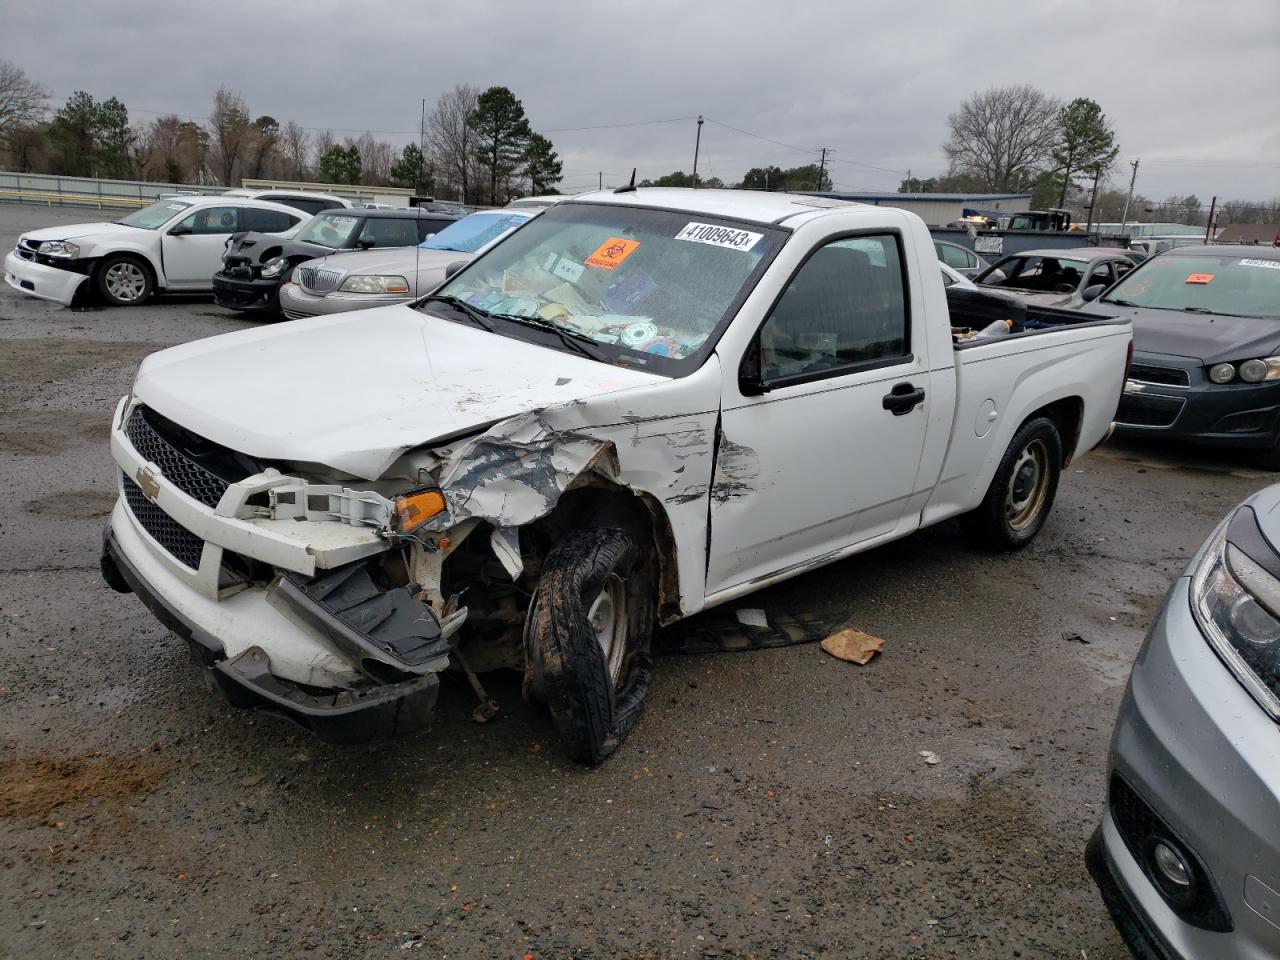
{"type": "Point", "coordinates": [396, 629]}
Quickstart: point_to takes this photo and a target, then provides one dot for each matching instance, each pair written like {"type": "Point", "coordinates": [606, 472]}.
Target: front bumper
{"type": "Point", "coordinates": [246, 681]}
{"type": "Point", "coordinates": [1234, 414]}
{"type": "Point", "coordinates": [39, 280]}
{"type": "Point", "coordinates": [248, 295]}
{"type": "Point", "coordinates": [1201, 756]}
{"type": "Point", "coordinates": [298, 304]}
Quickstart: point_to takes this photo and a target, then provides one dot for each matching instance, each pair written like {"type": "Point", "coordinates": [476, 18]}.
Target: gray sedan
{"type": "Point", "coordinates": [1057, 278]}
{"type": "Point", "coordinates": [1187, 856]}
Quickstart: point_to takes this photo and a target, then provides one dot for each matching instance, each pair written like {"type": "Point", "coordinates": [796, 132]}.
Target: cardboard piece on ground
{"type": "Point", "coordinates": [852, 645]}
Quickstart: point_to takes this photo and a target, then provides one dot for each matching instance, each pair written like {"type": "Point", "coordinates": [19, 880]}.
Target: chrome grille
{"type": "Point", "coordinates": [1165, 376]}
{"type": "Point", "coordinates": [181, 543]}
{"type": "Point", "coordinates": [318, 280]}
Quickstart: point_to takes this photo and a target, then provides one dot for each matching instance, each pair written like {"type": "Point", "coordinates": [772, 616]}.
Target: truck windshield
{"type": "Point", "coordinates": [329, 230]}
{"type": "Point", "coordinates": [1230, 284]}
{"type": "Point", "coordinates": [648, 287]}
{"type": "Point", "coordinates": [471, 233]}
{"type": "Point", "coordinates": [154, 216]}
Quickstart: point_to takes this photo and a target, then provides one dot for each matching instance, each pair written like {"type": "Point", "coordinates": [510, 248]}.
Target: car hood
{"type": "Point", "coordinates": [399, 261]}
{"type": "Point", "coordinates": [355, 390]}
{"type": "Point", "coordinates": [1028, 296]}
{"type": "Point", "coordinates": [1199, 336]}
{"type": "Point", "coordinates": [79, 231]}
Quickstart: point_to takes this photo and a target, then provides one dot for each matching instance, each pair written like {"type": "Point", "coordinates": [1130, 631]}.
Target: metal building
{"type": "Point", "coordinates": [937, 209]}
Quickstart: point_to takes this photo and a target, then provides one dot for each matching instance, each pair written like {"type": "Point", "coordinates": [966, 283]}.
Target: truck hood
{"type": "Point", "coordinates": [355, 390]}
{"type": "Point", "coordinates": [79, 231]}
{"type": "Point", "coordinates": [1200, 336]}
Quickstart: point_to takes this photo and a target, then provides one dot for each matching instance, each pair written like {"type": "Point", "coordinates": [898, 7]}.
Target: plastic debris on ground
{"type": "Point", "coordinates": [930, 757]}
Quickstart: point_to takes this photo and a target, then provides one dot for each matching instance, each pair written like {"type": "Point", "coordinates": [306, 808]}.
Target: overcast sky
{"type": "Point", "coordinates": [1192, 87]}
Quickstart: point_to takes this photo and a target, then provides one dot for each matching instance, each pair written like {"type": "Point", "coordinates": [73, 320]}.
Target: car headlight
{"type": "Point", "coordinates": [1236, 602]}
{"type": "Point", "coordinates": [1255, 371]}
{"type": "Point", "coordinates": [273, 268]}
{"type": "Point", "coordinates": [59, 248]}
{"type": "Point", "coordinates": [360, 284]}
{"type": "Point", "coordinates": [1222, 373]}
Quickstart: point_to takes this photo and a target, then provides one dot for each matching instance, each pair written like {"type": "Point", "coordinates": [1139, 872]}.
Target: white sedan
{"type": "Point", "coordinates": [173, 245]}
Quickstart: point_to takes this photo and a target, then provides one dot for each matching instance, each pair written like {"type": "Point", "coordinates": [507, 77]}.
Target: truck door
{"type": "Point", "coordinates": [193, 247]}
{"type": "Point", "coordinates": [827, 453]}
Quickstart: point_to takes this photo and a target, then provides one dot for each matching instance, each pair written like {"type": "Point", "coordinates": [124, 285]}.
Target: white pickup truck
{"type": "Point", "coordinates": [638, 405]}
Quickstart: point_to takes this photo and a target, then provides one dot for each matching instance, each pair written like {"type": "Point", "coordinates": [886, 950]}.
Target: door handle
{"type": "Point", "coordinates": [903, 398]}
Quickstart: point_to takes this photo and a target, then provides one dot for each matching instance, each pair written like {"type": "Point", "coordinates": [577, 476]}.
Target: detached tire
{"type": "Point", "coordinates": [587, 639]}
{"type": "Point", "coordinates": [123, 280]}
{"type": "Point", "coordinates": [1022, 491]}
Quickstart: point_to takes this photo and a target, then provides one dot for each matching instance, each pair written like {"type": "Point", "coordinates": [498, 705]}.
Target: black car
{"type": "Point", "coordinates": [1206, 337]}
{"type": "Point", "coordinates": [257, 265]}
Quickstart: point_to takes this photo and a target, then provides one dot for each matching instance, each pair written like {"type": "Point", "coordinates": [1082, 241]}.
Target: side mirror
{"type": "Point", "coordinates": [364, 243]}
{"type": "Point", "coordinates": [1093, 292]}
{"type": "Point", "coordinates": [179, 230]}
{"type": "Point", "coordinates": [750, 376]}
{"type": "Point", "coordinates": [453, 268]}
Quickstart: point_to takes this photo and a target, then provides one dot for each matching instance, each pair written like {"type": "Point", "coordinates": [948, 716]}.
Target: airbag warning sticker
{"type": "Point", "coordinates": [719, 236]}
{"type": "Point", "coordinates": [611, 253]}
{"type": "Point", "coordinates": [1200, 278]}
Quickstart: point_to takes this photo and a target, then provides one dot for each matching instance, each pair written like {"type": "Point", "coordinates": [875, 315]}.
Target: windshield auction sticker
{"type": "Point", "coordinates": [719, 236]}
{"type": "Point", "coordinates": [611, 253]}
{"type": "Point", "coordinates": [1270, 264]}
{"type": "Point", "coordinates": [1200, 278]}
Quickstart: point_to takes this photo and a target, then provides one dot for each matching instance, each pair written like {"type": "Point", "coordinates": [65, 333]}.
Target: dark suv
{"type": "Point", "coordinates": [256, 265]}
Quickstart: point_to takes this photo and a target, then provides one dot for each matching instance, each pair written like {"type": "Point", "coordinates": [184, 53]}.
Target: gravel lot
{"type": "Point", "coordinates": [769, 804]}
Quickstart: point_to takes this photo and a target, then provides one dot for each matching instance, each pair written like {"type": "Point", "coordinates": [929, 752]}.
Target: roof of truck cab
{"type": "Point", "coordinates": [753, 205]}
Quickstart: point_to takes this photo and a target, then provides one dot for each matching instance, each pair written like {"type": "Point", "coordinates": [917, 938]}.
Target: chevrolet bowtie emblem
{"type": "Point", "coordinates": [148, 483]}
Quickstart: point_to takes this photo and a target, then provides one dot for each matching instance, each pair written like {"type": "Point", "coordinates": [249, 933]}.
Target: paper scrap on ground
{"type": "Point", "coordinates": [753, 618]}
{"type": "Point", "coordinates": [852, 645]}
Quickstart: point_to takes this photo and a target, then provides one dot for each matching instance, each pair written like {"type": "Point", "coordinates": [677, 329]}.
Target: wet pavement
{"type": "Point", "coordinates": [768, 804]}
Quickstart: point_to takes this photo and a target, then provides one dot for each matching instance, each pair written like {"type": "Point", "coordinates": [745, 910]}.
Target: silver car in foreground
{"type": "Point", "coordinates": [1188, 853]}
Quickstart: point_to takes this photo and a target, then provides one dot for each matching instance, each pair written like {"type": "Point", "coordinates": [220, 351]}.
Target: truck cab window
{"type": "Point", "coordinates": [846, 305]}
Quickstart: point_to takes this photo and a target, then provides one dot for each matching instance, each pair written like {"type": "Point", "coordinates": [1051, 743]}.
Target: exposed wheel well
{"type": "Point", "coordinates": [1067, 415]}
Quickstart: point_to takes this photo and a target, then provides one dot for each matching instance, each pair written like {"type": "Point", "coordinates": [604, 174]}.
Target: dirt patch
{"type": "Point", "coordinates": [74, 504]}
{"type": "Point", "coordinates": [32, 788]}
{"type": "Point", "coordinates": [62, 359]}
{"type": "Point", "coordinates": [41, 432]}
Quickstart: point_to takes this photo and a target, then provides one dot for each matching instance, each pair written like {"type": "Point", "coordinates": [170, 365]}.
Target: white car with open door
{"type": "Point", "coordinates": [174, 245]}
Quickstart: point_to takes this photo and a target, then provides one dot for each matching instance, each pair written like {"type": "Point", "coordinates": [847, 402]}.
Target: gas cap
{"type": "Point", "coordinates": [987, 416]}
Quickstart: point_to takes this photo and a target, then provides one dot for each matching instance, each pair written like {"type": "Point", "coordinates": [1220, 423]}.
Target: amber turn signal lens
{"type": "Point", "coordinates": [415, 509]}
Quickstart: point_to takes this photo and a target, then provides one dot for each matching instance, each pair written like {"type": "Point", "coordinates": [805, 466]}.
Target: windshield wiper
{"type": "Point", "coordinates": [1122, 303]}
{"type": "Point", "coordinates": [477, 316]}
{"type": "Point", "coordinates": [578, 342]}
{"type": "Point", "coordinates": [1212, 313]}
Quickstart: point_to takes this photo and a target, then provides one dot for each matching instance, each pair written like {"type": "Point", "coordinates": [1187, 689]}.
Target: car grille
{"type": "Point", "coordinates": [318, 280]}
{"type": "Point", "coordinates": [180, 542]}
{"type": "Point", "coordinates": [176, 467]}
{"type": "Point", "coordinates": [1147, 411]}
{"type": "Point", "coordinates": [1166, 376]}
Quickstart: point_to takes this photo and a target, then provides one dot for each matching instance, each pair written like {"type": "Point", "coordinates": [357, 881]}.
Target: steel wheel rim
{"type": "Point", "coordinates": [125, 281]}
{"type": "Point", "coordinates": [608, 618]}
{"type": "Point", "coordinates": [1028, 485]}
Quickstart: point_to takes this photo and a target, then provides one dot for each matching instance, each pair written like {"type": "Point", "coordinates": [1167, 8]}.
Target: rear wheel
{"type": "Point", "coordinates": [587, 639]}
{"type": "Point", "coordinates": [1022, 491]}
{"type": "Point", "coordinates": [123, 280]}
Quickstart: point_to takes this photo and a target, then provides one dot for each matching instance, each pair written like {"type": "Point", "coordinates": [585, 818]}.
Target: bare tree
{"type": "Point", "coordinates": [22, 105]}
{"type": "Point", "coordinates": [450, 141]}
{"type": "Point", "coordinates": [296, 146]}
{"type": "Point", "coordinates": [1003, 136]}
{"type": "Point", "coordinates": [229, 127]}
{"type": "Point", "coordinates": [377, 158]}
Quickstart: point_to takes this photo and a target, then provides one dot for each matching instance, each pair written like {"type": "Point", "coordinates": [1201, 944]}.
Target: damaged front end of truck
{"type": "Point", "coordinates": [338, 603]}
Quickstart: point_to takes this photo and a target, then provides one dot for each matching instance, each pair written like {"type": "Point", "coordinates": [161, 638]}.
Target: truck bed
{"type": "Point", "coordinates": [972, 310]}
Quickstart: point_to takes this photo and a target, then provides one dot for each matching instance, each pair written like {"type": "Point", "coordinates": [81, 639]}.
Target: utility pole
{"type": "Point", "coordinates": [909, 190]}
{"type": "Point", "coordinates": [600, 180]}
{"type": "Point", "coordinates": [422, 147]}
{"type": "Point", "coordinates": [1124, 217]}
{"type": "Point", "coordinates": [696, 145]}
{"type": "Point", "coordinates": [822, 166]}
{"type": "Point", "coordinates": [1097, 175]}
{"type": "Point", "coordinates": [1208, 227]}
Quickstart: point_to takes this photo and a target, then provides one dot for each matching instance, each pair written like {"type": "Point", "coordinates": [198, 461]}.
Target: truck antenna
{"type": "Point", "coordinates": [630, 187]}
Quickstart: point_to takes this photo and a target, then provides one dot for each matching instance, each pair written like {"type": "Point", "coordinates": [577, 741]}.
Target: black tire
{"type": "Point", "coordinates": [123, 280]}
{"type": "Point", "coordinates": [1021, 492]}
{"type": "Point", "coordinates": [593, 709]}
